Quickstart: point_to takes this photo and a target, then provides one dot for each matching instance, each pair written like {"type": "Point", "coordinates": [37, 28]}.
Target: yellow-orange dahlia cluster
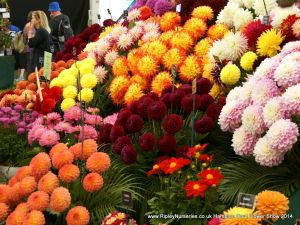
{"type": "Point", "coordinates": [191, 68]}
{"type": "Point", "coordinates": [169, 21]}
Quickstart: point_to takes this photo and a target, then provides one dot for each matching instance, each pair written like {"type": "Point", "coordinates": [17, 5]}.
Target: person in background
{"type": "Point", "coordinates": [60, 26]}
{"type": "Point", "coordinates": [28, 51]}
{"type": "Point", "coordinates": [41, 41]}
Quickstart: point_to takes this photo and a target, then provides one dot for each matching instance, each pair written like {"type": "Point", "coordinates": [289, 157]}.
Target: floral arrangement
{"type": "Point", "coordinates": [159, 7]}
{"type": "Point", "coordinates": [118, 218]}
{"type": "Point", "coordinates": [260, 112]}
{"type": "Point", "coordinates": [190, 179]}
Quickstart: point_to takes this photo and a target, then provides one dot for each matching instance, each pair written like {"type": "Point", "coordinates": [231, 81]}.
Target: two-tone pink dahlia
{"type": "Point", "coordinates": [243, 142]}
{"type": "Point", "coordinates": [275, 109]}
{"type": "Point", "coordinates": [292, 98]}
{"type": "Point", "coordinates": [252, 119]}
{"type": "Point", "coordinates": [264, 90]}
{"type": "Point", "coordinates": [287, 73]}
{"type": "Point", "coordinates": [125, 41]}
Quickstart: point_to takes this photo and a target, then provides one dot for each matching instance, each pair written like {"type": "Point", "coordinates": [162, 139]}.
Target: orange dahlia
{"type": "Point", "coordinates": [76, 150]}
{"type": "Point", "coordinates": [62, 158]}
{"type": "Point", "coordinates": [195, 27]}
{"type": "Point", "coordinates": [173, 57]}
{"type": "Point", "coordinates": [240, 216]}
{"type": "Point", "coordinates": [22, 208]}
{"type": "Point", "coordinates": [118, 88]}
{"type": "Point", "coordinates": [48, 183]}
{"type": "Point", "coordinates": [34, 218]}
{"type": "Point", "coordinates": [217, 31]}
{"type": "Point", "coordinates": [98, 162]}
{"type": "Point", "coordinates": [202, 47]}
{"type": "Point", "coordinates": [40, 165]}
{"type": "Point", "coordinates": [145, 12]}
{"type": "Point", "coordinates": [89, 147]}
{"type": "Point", "coordinates": [134, 93]}
{"type": "Point", "coordinates": [156, 49]}
{"type": "Point", "coordinates": [169, 21]}
{"type": "Point", "coordinates": [15, 218]}
{"type": "Point", "coordinates": [23, 172]}
{"type": "Point", "coordinates": [147, 66]}
{"type": "Point", "coordinates": [162, 80]}
{"type": "Point", "coordinates": [166, 37]}
{"type": "Point", "coordinates": [3, 211]}
{"type": "Point", "coordinates": [12, 181]}
{"type": "Point", "coordinates": [190, 69]}
{"type": "Point", "coordinates": [133, 58]}
{"type": "Point", "coordinates": [78, 215]}
{"type": "Point", "coordinates": [68, 173]}
{"type": "Point", "coordinates": [271, 203]}
{"type": "Point", "coordinates": [182, 40]}
{"type": "Point", "coordinates": [203, 12]}
{"type": "Point", "coordinates": [38, 200]}
{"type": "Point", "coordinates": [60, 199]}
{"type": "Point", "coordinates": [27, 186]}
{"type": "Point", "coordinates": [4, 191]}
{"type": "Point", "coordinates": [57, 148]}
{"type": "Point", "coordinates": [14, 193]}
{"type": "Point", "coordinates": [92, 182]}
{"type": "Point", "coordinates": [137, 79]}
{"type": "Point", "coordinates": [120, 67]}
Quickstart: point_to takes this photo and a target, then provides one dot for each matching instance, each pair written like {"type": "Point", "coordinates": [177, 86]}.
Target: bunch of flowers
{"type": "Point", "coordinates": [156, 126]}
{"type": "Point", "coordinates": [190, 179]}
{"type": "Point", "coordinates": [158, 7]}
{"type": "Point", "coordinates": [36, 190]}
{"type": "Point", "coordinates": [118, 218]}
{"type": "Point", "coordinates": [260, 112]}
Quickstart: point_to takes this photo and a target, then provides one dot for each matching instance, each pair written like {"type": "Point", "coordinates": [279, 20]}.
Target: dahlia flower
{"type": "Point", "coordinates": [241, 17]}
{"type": "Point", "coordinates": [268, 44]}
{"type": "Point", "coordinates": [117, 31]}
{"type": "Point", "coordinates": [111, 57]}
{"type": "Point", "coordinates": [125, 41]}
{"type": "Point", "coordinates": [150, 36]}
{"type": "Point", "coordinates": [118, 88]}
{"type": "Point", "coordinates": [72, 114]}
{"type": "Point", "coordinates": [203, 12]}
{"type": "Point", "coordinates": [248, 3]}
{"type": "Point", "coordinates": [230, 74]}
{"type": "Point", "coordinates": [102, 47]}
{"type": "Point", "coordinates": [136, 32]}
{"type": "Point", "coordinates": [296, 28]}
{"type": "Point", "coordinates": [247, 61]}
{"type": "Point", "coordinates": [70, 92]}
{"type": "Point", "coordinates": [147, 66]}
{"type": "Point", "coordinates": [68, 173]}
{"type": "Point", "coordinates": [133, 93]}
{"type": "Point", "coordinates": [111, 119]}
{"type": "Point", "coordinates": [287, 74]}
{"type": "Point", "coordinates": [48, 183]}
{"type": "Point", "coordinates": [27, 186]}
{"type": "Point", "coordinates": [195, 27]}
{"type": "Point", "coordinates": [172, 57]}
{"type": "Point", "coordinates": [128, 155]}
{"type": "Point", "coordinates": [279, 14]}
{"type": "Point", "coordinates": [34, 218]}
{"type": "Point", "coordinates": [237, 45]}
{"type": "Point", "coordinates": [151, 27]}
{"type": "Point", "coordinates": [98, 162]}
{"type": "Point", "coordinates": [160, 81]}
{"type": "Point", "coordinates": [266, 69]}
{"type": "Point", "coordinates": [182, 40]}
{"type": "Point", "coordinates": [120, 67]}
{"type": "Point", "coordinates": [226, 15]}
{"type": "Point", "coordinates": [60, 200]}
{"type": "Point", "coordinates": [291, 97]}
{"type": "Point", "coordinates": [38, 200]}
{"type": "Point", "coordinates": [264, 90]}
{"type": "Point", "coordinates": [239, 215]}
{"type": "Point", "coordinates": [190, 69]}
{"type": "Point", "coordinates": [252, 119]}
{"type": "Point", "coordinates": [4, 209]}
{"type": "Point", "coordinates": [147, 141]}
{"type": "Point", "coordinates": [217, 31]}
{"type": "Point", "coordinates": [40, 164]}
{"type": "Point", "coordinates": [67, 104]}
{"type": "Point", "coordinates": [275, 109]}
{"type": "Point", "coordinates": [92, 182]}
{"type": "Point", "coordinates": [134, 15]}
{"type": "Point", "coordinates": [78, 215]}
{"type": "Point", "coordinates": [260, 9]}
{"type": "Point", "coordinates": [243, 142]}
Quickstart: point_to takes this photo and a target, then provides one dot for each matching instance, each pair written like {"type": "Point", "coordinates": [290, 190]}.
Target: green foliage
{"type": "Point", "coordinates": [14, 148]}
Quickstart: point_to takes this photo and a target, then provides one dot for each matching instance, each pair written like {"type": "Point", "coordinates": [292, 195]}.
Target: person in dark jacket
{"type": "Point", "coordinates": [41, 41]}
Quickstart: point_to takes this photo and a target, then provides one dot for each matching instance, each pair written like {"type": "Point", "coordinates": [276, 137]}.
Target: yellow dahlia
{"type": "Point", "coordinates": [215, 91]}
{"type": "Point", "coordinates": [182, 40]}
{"type": "Point", "coordinates": [68, 173]}
{"type": "Point", "coordinates": [195, 27]}
{"type": "Point", "coordinates": [271, 203]}
{"type": "Point", "coordinates": [137, 79]}
{"type": "Point", "coordinates": [118, 88]}
{"type": "Point", "coordinates": [88, 81]}
{"type": "Point", "coordinates": [67, 103]}
{"type": "Point", "coordinates": [202, 47]}
{"type": "Point", "coordinates": [119, 67]}
{"type": "Point", "coordinates": [86, 94]}
{"type": "Point", "coordinates": [34, 218]}
{"type": "Point", "coordinates": [207, 68]}
{"type": "Point", "coordinates": [248, 60]}
{"type": "Point", "coordinates": [160, 81]}
{"type": "Point", "coordinates": [60, 199]}
{"type": "Point", "coordinates": [217, 31]}
{"type": "Point", "coordinates": [106, 32]}
{"type": "Point", "coordinates": [239, 216]}
{"type": "Point", "coordinates": [166, 37]}
{"type": "Point", "coordinates": [147, 67]}
{"type": "Point", "coordinates": [156, 49]}
{"type": "Point", "coordinates": [169, 21]}
{"type": "Point", "coordinates": [190, 69]}
{"type": "Point", "coordinates": [133, 58]}
{"type": "Point", "coordinates": [133, 93]}
{"type": "Point", "coordinates": [69, 80]}
{"type": "Point", "coordinates": [48, 183]}
{"type": "Point", "coordinates": [85, 68]}
{"type": "Point", "coordinates": [203, 12]}
{"type": "Point", "coordinates": [78, 215]}
{"type": "Point", "coordinates": [70, 92]}
{"type": "Point", "coordinates": [268, 44]}
{"type": "Point", "coordinates": [56, 82]}
{"type": "Point", "coordinates": [173, 57]}
{"type": "Point", "coordinates": [230, 74]}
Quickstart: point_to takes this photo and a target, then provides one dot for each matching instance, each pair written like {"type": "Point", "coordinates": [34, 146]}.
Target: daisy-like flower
{"type": "Point", "coordinates": [72, 114]}
{"type": "Point", "coordinates": [111, 57]}
{"type": "Point", "coordinates": [265, 155]}
{"type": "Point", "coordinates": [275, 109]}
{"type": "Point", "coordinates": [49, 138]}
{"type": "Point", "coordinates": [287, 73]}
{"type": "Point", "coordinates": [280, 13]}
{"type": "Point", "coordinates": [282, 135]}
{"type": "Point", "coordinates": [52, 119]}
{"type": "Point", "coordinates": [125, 41]}
{"type": "Point", "coordinates": [243, 142]}
{"type": "Point", "coordinates": [241, 17]}
{"type": "Point", "coordinates": [292, 98]}
{"type": "Point", "coordinates": [101, 73]}
{"type": "Point", "coordinates": [134, 15]}
{"type": "Point", "coordinates": [102, 47]}
{"type": "Point", "coordinates": [260, 9]}
{"type": "Point", "coordinates": [268, 44]}
{"type": "Point", "coordinates": [264, 90]}
{"type": "Point", "coordinates": [89, 133]}
{"type": "Point", "coordinates": [236, 45]}
{"type": "Point", "coordinates": [136, 32]}
{"type": "Point", "coordinates": [150, 36]}
{"type": "Point", "coordinates": [151, 26]}
{"type": "Point", "coordinates": [248, 3]}
{"type": "Point", "coordinates": [252, 120]}
{"type": "Point", "coordinates": [231, 115]}
{"type": "Point", "coordinates": [226, 15]}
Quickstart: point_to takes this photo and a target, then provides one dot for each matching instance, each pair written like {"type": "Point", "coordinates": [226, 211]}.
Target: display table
{"type": "Point", "coordinates": [7, 69]}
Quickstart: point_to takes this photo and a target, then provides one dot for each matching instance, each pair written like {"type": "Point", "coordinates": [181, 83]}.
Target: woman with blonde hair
{"type": "Point", "coordinates": [41, 41]}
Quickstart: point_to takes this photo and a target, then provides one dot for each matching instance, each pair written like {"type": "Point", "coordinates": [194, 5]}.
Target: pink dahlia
{"type": "Point", "coordinates": [275, 109]}
{"type": "Point", "coordinates": [243, 142]}
{"type": "Point", "coordinates": [49, 138]}
{"type": "Point", "coordinates": [89, 133]}
{"type": "Point", "coordinates": [282, 135]}
{"type": "Point", "coordinates": [252, 119]}
{"type": "Point", "coordinates": [52, 119]}
{"type": "Point", "coordinates": [136, 32]}
{"type": "Point", "coordinates": [231, 115]}
{"type": "Point", "coordinates": [265, 155]}
{"type": "Point", "coordinates": [292, 99]}
{"type": "Point", "coordinates": [35, 133]}
{"type": "Point", "coordinates": [111, 119]}
{"type": "Point", "coordinates": [72, 114]}
{"type": "Point", "coordinates": [291, 47]}
{"type": "Point", "coordinates": [266, 69]}
{"type": "Point", "coordinates": [93, 119]}
{"type": "Point", "coordinates": [287, 73]}
{"type": "Point", "coordinates": [264, 90]}
{"type": "Point", "coordinates": [65, 127]}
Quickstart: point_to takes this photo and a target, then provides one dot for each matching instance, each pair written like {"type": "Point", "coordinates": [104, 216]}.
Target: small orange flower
{"type": "Point", "coordinates": [217, 31]}
{"type": "Point", "coordinates": [68, 173]}
{"type": "Point", "coordinates": [23, 172]}
{"type": "Point", "coordinates": [169, 21]}
{"type": "Point", "coordinates": [98, 162]}
{"type": "Point", "coordinates": [12, 181]}
{"type": "Point", "coordinates": [27, 186]}
{"type": "Point", "coordinates": [4, 191]}
{"type": "Point", "coordinates": [76, 150]}
{"type": "Point", "coordinates": [78, 215]}
{"type": "Point", "coordinates": [34, 218]}
{"type": "Point", "coordinates": [173, 57]}
{"type": "Point", "coordinates": [182, 40]}
{"type": "Point", "coordinates": [38, 200]}
{"type": "Point", "coordinates": [22, 208]}
{"type": "Point", "coordinates": [120, 67]}
{"type": "Point", "coordinates": [147, 67]}
{"type": "Point", "coordinates": [14, 193]}
{"type": "Point", "coordinates": [40, 165]}
{"type": "Point", "coordinates": [62, 158]}
{"type": "Point", "coordinates": [3, 211]}
{"type": "Point", "coordinates": [60, 199]}
{"type": "Point", "coordinates": [92, 182]}
{"type": "Point", "coordinates": [57, 148]}
{"type": "Point", "coordinates": [172, 165]}
{"type": "Point", "coordinates": [145, 12]}
{"type": "Point", "coordinates": [89, 147]}
{"type": "Point", "coordinates": [154, 170]}
{"type": "Point", "coordinates": [166, 37]}
{"type": "Point", "coordinates": [48, 183]}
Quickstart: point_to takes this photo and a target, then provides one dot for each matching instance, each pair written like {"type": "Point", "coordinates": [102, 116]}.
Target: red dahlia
{"type": "Point", "coordinates": [166, 143]}
{"type": "Point", "coordinates": [104, 133]}
{"type": "Point", "coordinates": [128, 155]}
{"type": "Point", "coordinates": [195, 188]}
{"type": "Point", "coordinates": [204, 125]}
{"type": "Point", "coordinates": [157, 110]}
{"type": "Point", "coordinates": [211, 176]}
{"type": "Point", "coordinates": [120, 143]}
{"type": "Point", "coordinates": [172, 123]}
{"type": "Point", "coordinates": [134, 123]}
{"type": "Point", "coordinates": [116, 131]}
{"type": "Point", "coordinates": [147, 142]}
{"type": "Point", "coordinates": [172, 165]}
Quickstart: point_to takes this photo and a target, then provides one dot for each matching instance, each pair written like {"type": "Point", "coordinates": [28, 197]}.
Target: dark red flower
{"type": "Point", "coordinates": [195, 188]}
{"type": "Point", "coordinates": [204, 125]}
{"type": "Point", "coordinates": [104, 133]}
{"type": "Point", "coordinates": [143, 105]}
{"type": "Point", "coordinates": [122, 117]}
{"type": "Point", "coordinates": [58, 56]}
{"type": "Point", "coordinates": [134, 123]}
{"type": "Point", "coordinates": [48, 105]}
{"type": "Point", "coordinates": [211, 176]}
{"type": "Point", "coordinates": [168, 89]}
{"type": "Point", "coordinates": [108, 22]}
{"type": "Point", "coordinates": [203, 85]}
{"type": "Point", "coordinates": [205, 101]}
{"type": "Point", "coordinates": [187, 103]}
{"type": "Point", "coordinates": [172, 123]}
{"type": "Point", "coordinates": [116, 131]}
{"type": "Point", "coordinates": [156, 110]}
{"type": "Point", "coordinates": [172, 165]}
{"type": "Point", "coordinates": [77, 41]}
{"type": "Point", "coordinates": [213, 111]}
{"type": "Point", "coordinates": [206, 158]}
{"type": "Point", "coordinates": [166, 143]}
{"type": "Point", "coordinates": [94, 37]}
{"type": "Point", "coordinates": [166, 98]}
{"type": "Point", "coordinates": [67, 56]}
{"type": "Point", "coordinates": [160, 159]}
{"type": "Point", "coordinates": [120, 143]}
{"type": "Point", "coordinates": [147, 142]}
{"type": "Point", "coordinates": [128, 155]}
{"type": "Point", "coordinates": [286, 28]}
{"type": "Point", "coordinates": [152, 95]}
{"type": "Point", "coordinates": [182, 151]}
{"type": "Point", "coordinates": [222, 101]}
{"type": "Point", "coordinates": [55, 93]}
{"type": "Point", "coordinates": [187, 88]}
{"type": "Point", "coordinates": [176, 97]}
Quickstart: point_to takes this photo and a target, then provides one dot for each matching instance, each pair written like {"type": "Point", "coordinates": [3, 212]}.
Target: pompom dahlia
{"type": "Point", "coordinates": [38, 200]}
{"type": "Point", "coordinates": [40, 164]}
{"type": "Point", "coordinates": [247, 61]}
{"type": "Point", "coordinates": [4, 209]}
{"type": "Point", "coordinates": [27, 186]}
{"type": "Point", "coordinates": [292, 98]}
{"type": "Point", "coordinates": [172, 123]}
{"type": "Point", "coordinates": [92, 182]}
{"type": "Point", "coordinates": [68, 173]}
{"type": "Point", "coordinates": [78, 215]}
{"type": "Point", "coordinates": [48, 183]}
{"type": "Point", "coordinates": [166, 143]}
{"type": "Point", "coordinates": [266, 69]}
{"type": "Point", "coordinates": [98, 162]}
{"type": "Point", "coordinates": [128, 155]}
{"type": "Point", "coordinates": [252, 119]}
{"type": "Point", "coordinates": [147, 141]}
{"type": "Point", "coordinates": [62, 158]}
{"type": "Point", "coordinates": [230, 74]}
{"type": "Point", "coordinates": [34, 218]}
{"type": "Point", "coordinates": [275, 109]}
{"type": "Point", "coordinates": [243, 142]}
{"type": "Point", "coordinates": [239, 215]}
{"type": "Point", "coordinates": [268, 44]}
{"type": "Point", "coordinates": [287, 74]}
{"type": "Point", "coordinates": [264, 90]}
{"type": "Point", "coordinates": [60, 200]}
